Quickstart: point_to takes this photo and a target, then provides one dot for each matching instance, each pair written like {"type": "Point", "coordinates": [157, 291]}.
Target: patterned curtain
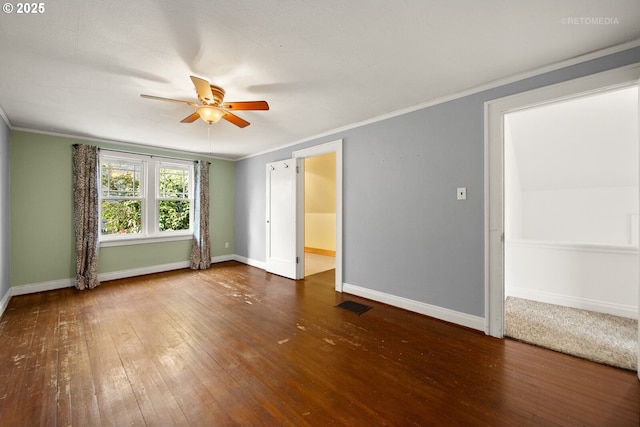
{"type": "Point", "coordinates": [201, 247]}
{"type": "Point", "coordinates": [85, 214]}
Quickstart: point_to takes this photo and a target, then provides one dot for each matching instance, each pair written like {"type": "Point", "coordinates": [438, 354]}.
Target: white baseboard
{"type": "Point", "coordinates": [33, 288]}
{"type": "Point", "coordinates": [463, 319]}
{"type": "Point", "coordinates": [252, 262]}
{"type": "Point", "coordinates": [223, 258]}
{"type": "Point", "coordinates": [576, 302]}
{"type": "Point", "coordinates": [4, 302]}
{"type": "Point", "coordinates": [103, 277]}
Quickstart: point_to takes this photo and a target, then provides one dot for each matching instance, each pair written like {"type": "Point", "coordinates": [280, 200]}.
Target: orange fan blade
{"type": "Point", "coordinates": [179, 101]}
{"type": "Point", "coordinates": [191, 118]}
{"type": "Point", "coordinates": [204, 89]}
{"type": "Point", "coordinates": [246, 105]}
{"type": "Point", "coordinates": [230, 117]}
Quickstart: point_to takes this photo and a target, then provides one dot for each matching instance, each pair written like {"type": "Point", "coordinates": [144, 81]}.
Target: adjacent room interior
{"type": "Point", "coordinates": [319, 213]}
{"type": "Point", "coordinates": [571, 220]}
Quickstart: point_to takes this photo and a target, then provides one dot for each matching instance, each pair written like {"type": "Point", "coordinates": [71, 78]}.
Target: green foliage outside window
{"type": "Point", "coordinates": [121, 216]}
{"type": "Point", "coordinates": [174, 214]}
{"type": "Point", "coordinates": [120, 181]}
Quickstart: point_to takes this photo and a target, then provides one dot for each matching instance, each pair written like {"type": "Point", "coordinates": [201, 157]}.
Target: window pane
{"type": "Point", "coordinates": [174, 215]}
{"type": "Point", "coordinates": [121, 179]}
{"type": "Point", "coordinates": [121, 216]}
{"type": "Point", "coordinates": [174, 183]}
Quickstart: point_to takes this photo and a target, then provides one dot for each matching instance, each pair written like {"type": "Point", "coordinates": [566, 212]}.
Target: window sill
{"type": "Point", "coordinates": [144, 240]}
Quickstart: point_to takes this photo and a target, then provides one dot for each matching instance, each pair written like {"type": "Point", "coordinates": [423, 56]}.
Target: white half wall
{"type": "Point", "coordinates": [598, 215]}
{"type": "Point", "coordinates": [592, 277]}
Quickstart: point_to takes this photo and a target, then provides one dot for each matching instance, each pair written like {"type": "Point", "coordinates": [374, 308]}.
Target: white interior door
{"type": "Point", "coordinates": [285, 226]}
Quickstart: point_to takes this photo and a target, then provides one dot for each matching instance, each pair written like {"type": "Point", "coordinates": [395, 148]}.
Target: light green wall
{"type": "Point", "coordinates": [222, 177]}
{"type": "Point", "coordinates": [42, 237]}
{"type": "Point", "coordinates": [119, 258]}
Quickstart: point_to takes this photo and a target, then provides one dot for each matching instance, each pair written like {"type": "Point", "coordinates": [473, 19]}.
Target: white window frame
{"type": "Point", "coordinates": [150, 180]}
{"type": "Point", "coordinates": [175, 164]}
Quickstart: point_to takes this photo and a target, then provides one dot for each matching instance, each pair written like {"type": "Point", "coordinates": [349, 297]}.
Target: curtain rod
{"type": "Point", "coordinates": [149, 155]}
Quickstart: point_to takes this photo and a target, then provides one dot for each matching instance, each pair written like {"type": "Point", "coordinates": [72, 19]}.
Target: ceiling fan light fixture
{"type": "Point", "coordinates": [210, 114]}
{"type": "Point", "coordinates": [212, 111]}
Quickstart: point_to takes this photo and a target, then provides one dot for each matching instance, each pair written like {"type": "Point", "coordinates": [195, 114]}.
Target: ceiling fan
{"type": "Point", "coordinates": [212, 108]}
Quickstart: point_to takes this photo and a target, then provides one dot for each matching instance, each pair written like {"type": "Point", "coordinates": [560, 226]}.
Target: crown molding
{"type": "Point", "coordinates": [130, 145]}
{"type": "Point", "coordinates": [471, 91]}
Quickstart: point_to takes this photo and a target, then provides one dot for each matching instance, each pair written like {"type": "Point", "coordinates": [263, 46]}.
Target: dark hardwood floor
{"type": "Point", "coordinates": [234, 345]}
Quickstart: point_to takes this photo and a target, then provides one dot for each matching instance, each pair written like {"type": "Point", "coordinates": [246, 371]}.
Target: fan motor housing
{"type": "Point", "coordinates": [218, 94]}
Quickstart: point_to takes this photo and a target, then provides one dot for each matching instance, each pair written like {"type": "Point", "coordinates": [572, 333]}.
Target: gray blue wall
{"type": "Point", "coordinates": [5, 223]}
{"type": "Point", "coordinates": [405, 234]}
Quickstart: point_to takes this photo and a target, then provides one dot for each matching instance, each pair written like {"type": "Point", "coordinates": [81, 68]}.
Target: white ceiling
{"type": "Point", "coordinates": [79, 67]}
{"type": "Point", "coordinates": [586, 142]}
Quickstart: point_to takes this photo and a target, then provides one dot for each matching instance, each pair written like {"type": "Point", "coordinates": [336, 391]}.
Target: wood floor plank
{"type": "Point", "coordinates": [225, 358]}
{"type": "Point", "coordinates": [77, 401]}
{"type": "Point", "coordinates": [20, 362]}
{"type": "Point", "coordinates": [118, 396]}
{"type": "Point", "coordinates": [234, 345]}
{"type": "Point", "coordinates": [41, 366]}
{"type": "Point", "coordinates": [132, 369]}
{"type": "Point", "coordinates": [165, 346]}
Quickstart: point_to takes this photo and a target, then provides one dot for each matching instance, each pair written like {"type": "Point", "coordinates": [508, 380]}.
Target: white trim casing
{"type": "Point", "coordinates": [573, 246]}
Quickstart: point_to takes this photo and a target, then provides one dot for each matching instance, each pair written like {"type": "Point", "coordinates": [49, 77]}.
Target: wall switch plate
{"type": "Point", "coordinates": [226, 244]}
{"type": "Point", "coordinates": [462, 193]}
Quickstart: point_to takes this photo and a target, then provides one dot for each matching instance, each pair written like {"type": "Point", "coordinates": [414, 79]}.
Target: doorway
{"type": "Point", "coordinates": [335, 150]}
{"type": "Point", "coordinates": [571, 209]}
{"type": "Point", "coordinates": [571, 185]}
{"type": "Point", "coordinates": [319, 213]}
{"type": "Point", "coordinates": [494, 176]}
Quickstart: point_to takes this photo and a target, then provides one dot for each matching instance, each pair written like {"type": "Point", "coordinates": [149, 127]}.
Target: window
{"type": "Point", "coordinates": [122, 197]}
{"type": "Point", "coordinates": [174, 197]}
{"type": "Point", "coordinates": [144, 198]}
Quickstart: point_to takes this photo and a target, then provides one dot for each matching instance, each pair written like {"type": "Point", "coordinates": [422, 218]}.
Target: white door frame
{"type": "Point", "coordinates": [329, 147]}
{"type": "Point", "coordinates": [494, 174]}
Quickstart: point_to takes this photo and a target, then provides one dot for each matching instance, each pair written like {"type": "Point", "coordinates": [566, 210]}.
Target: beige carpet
{"type": "Point", "coordinates": [603, 338]}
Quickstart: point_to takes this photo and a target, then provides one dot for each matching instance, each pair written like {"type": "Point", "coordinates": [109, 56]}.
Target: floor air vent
{"type": "Point", "coordinates": [354, 307]}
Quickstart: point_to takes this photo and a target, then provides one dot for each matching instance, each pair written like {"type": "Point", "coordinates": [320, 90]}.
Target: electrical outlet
{"type": "Point", "coordinates": [462, 193]}
{"type": "Point", "coordinates": [226, 244]}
